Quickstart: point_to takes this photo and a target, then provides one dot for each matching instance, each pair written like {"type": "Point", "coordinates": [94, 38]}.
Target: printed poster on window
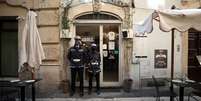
{"type": "Point", "coordinates": [111, 35]}
{"type": "Point", "coordinates": [104, 46]}
{"type": "Point", "coordinates": [111, 45]}
{"type": "Point", "coordinates": [160, 58]}
{"type": "Point", "coordinates": [105, 53]}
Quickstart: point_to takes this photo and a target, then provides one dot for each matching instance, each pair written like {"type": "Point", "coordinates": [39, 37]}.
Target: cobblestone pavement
{"type": "Point", "coordinates": [109, 99]}
{"type": "Point", "coordinates": [109, 95]}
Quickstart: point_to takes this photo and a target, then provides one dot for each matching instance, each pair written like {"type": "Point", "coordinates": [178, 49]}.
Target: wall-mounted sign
{"type": "Point", "coordinates": [160, 58]}
{"type": "Point", "coordinates": [87, 39]}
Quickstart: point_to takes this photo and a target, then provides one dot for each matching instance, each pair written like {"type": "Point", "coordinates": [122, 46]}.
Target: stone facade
{"type": "Point", "coordinates": [48, 17]}
{"type": "Point", "coordinates": [48, 34]}
{"type": "Point", "coordinates": [54, 69]}
{"type": "Point", "coordinates": [48, 24]}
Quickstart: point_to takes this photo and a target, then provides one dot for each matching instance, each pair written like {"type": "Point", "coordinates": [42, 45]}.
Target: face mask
{"type": "Point", "coordinates": [93, 48]}
{"type": "Point", "coordinates": [77, 44]}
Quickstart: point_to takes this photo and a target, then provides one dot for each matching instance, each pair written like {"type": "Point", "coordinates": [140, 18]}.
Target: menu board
{"type": "Point", "coordinates": [160, 58]}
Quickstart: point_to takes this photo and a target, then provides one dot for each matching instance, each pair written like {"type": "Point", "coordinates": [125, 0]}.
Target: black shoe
{"type": "Point", "coordinates": [81, 94]}
{"type": "Point", "coordinates": [98, 92]}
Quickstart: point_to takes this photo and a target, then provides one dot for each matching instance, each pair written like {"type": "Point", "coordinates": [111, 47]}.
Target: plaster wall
{"type": "Point", "coordinates": [47, 21]}
{"type": "Point", "coordinates": [142, 68]}
{"type": "Point", "coordinates": [145, 46]}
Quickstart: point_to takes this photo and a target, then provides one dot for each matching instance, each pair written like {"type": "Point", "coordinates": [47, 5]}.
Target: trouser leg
{"type": "Point", "coordinates": [81, 80]}
{"type": "Point", "coordinates": [98, 82]}
{"type": "Point", "coordinates": [90, 82]}
{"type": "Point", "coordinates": [73, 76]}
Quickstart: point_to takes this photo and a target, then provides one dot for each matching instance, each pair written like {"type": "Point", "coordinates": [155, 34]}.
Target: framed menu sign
{"type": "Point", "coordinates": [160, 58]}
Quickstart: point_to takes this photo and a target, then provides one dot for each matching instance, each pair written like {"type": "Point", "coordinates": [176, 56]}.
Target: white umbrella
{"type": "Point", "coordinates": [181, 20]}
{"type": "Point", "coordinates": [31, 50]}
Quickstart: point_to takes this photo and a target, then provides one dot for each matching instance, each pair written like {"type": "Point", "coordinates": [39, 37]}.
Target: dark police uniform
{"type": "Point", "coordinates": [94, 70]}
{"type": "Point", "coordinates": [76, 57]}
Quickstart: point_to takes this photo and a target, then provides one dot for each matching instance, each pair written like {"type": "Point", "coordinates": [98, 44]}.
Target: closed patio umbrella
{"type": "Point", "coordinates": [30, 51]}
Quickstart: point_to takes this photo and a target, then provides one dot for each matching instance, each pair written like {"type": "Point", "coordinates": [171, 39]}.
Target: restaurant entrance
{"type": "Point", "coordinates": [106, 36]}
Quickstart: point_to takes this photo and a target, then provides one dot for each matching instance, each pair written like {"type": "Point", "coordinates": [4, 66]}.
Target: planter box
{"type": "Point", "coordinates": [127, 85]}
{"type": "Point", "coordinates": [65, 33]}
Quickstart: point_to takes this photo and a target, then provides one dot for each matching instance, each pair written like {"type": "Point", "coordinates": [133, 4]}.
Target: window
{"type": "Point", "coordinates": [9, 46]}
{"type": "Point", "coordinates": [85, 1]}
{"type": "Point", "coordinates": [97, 16]}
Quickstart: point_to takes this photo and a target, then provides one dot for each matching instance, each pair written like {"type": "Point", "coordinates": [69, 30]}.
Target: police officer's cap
{"type": "Point", "coordinates": [77, 38]}
{"type": "Point", "coordinates": [93, 45]}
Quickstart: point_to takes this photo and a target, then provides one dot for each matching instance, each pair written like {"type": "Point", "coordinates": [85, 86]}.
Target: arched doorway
{"type": "Point", "coordinates": [102, 29]}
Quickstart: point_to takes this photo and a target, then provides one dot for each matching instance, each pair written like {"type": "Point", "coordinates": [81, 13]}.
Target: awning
{"type": "Point", "coordinates": [181, 20]}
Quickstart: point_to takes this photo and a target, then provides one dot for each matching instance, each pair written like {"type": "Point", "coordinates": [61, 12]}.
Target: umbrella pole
{"type": "Point", "coordinates": [32, 74]}
{"type": "Point", "coordinates": [172, 64]}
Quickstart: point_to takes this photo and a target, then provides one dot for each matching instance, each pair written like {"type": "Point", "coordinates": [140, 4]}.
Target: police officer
{"type": "Point", "coordinates": [76, 56]}
{"type": "Point", "coordinates": [94, 68]}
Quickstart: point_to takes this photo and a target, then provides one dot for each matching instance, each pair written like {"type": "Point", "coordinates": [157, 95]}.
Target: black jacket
{"type": "Point", "coordinates": [94, 62]}
{"type": "Point", "coordinates": [76, 57]}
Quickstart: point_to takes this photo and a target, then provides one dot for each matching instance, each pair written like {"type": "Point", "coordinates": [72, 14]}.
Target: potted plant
{"type": "Point", "coordinates": [65, 22]}
{"type": "Point", "coordinates": [65, 27]}
{"type": "Point", "coordinates": [127, 85]}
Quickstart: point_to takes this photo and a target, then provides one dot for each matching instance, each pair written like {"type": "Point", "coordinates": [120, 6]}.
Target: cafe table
{"type": "Point", "coordinates": [22, 84]}
{"type": "Point", "coordinates": [182, 84]}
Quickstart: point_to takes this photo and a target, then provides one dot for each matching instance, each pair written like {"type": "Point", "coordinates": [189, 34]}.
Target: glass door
{"type": "Point", "coordinates": [110, 54]}
{"type": "Point", "coordinates": [89, 33]}
{"type": "Point", "coordinates": [106, 36]}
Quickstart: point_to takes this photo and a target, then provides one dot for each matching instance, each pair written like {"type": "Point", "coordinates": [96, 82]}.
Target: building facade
{"type": "Point", "coordinates": [109, 24]}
